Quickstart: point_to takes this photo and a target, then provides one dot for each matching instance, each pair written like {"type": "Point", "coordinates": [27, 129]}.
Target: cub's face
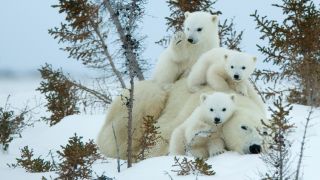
{"type": "Point", "coordinates": [217, 107]}
{"type": "Point", "coordinates": [198, 25]}
{"type": "Point", "coordinates": [241, 134]}
{"type": "Point", "coordinates": [239, 66]}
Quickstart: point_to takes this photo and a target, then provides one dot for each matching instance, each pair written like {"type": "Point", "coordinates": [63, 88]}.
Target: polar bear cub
{"type": "Point", "coordinates": [200, 35]}
{"type": "Point", "coordinates": [200, 134]}
{"type": "Point", "coordinates": [221, 69]}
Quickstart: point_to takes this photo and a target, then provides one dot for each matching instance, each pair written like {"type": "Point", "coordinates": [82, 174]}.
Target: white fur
{"type": "Point", "coordinates": [170, 111]}
{"type": "Point", "coordinates": [200, 134]}
{"type": "Point", "coordinates": [221, 69]}
{"type": "Point", "coordinates": [241, 131]}
{"type": "Point", "coordinates": [176, 60]}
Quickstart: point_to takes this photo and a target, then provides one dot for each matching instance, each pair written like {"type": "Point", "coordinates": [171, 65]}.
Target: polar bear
{"type": "Point", "coordinates": [200, 134]}
{"type": "Point", "coordinates": [181, 103]}
{"type": "Point", "coordinates": [221, 69]}
{"type": "Point", "coordinates": [170, 109]}
{"type": "Point", "coordinates": [200, 35]}
{"type": "Point", "coordinates": [150, 99]}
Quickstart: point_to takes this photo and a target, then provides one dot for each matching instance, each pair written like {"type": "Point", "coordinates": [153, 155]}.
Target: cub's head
{"type": "Point", "coordinates": [239, 66]}
{"type": "Point", "coordinates": [217, 107]}
{"type": "Point", "coordinates": [241, 133]}
{"type": "Point", "coordinates": [200, 26]}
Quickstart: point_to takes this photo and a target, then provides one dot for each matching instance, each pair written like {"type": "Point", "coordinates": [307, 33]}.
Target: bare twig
{"type": "Point", "coordinates": [108, 55]}
{"type": "Point", "coordinates": [100, 96]}
{"type": "Point", "coordinates": [199, 133]}
{"type": "Point", "coordinates": [117, 147]}
{"type": "Point", "coordinates": [303, 141]}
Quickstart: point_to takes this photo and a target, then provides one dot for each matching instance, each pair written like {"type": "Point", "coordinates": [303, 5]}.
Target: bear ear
{"type": "Point", "coordinates": [233, 96]}
{"type": "Point", "coordinates": [214, 18]}
{"type": "Point", "coordinates": [254, 59]}
{"type": "Point", "coordinates": [186, 14]}
{"type": "Point", "coordinates": [203, 97]}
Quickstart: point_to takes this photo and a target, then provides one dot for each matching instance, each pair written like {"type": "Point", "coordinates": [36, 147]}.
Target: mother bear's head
{"type": "Point", "coordinates": [243, 133]}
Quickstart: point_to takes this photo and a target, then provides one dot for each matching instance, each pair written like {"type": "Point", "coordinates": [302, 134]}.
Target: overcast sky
{"type": "Point", "coordinates": [25, 44]}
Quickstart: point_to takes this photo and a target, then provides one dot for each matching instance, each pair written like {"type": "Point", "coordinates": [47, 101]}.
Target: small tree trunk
{"type": "Point", "coordinates": [130, 106]}
{"type": "Point", "coordinates": [128, 53]}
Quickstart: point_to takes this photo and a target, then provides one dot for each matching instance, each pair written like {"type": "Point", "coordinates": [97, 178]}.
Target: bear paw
{"type": "Point", "coordinates": [241, 89]}
{"type": "Point", "coordinates": [217, 153]}
{"type": "Point", "coordinates": [204, 133]}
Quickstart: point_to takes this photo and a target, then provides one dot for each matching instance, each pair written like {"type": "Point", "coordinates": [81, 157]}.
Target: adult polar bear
{"type": "Point", "coordinates": [180, 104]}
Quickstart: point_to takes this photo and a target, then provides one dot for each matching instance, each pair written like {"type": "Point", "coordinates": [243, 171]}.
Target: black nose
{"type": "Point", "coordinates": [236, 76]}
{"type": "Point", "coordinates": [255, 149]}
{"type": "Point", "coordinates": [190, 40]}
{"type": "Point", "coordinates": [217, 120]}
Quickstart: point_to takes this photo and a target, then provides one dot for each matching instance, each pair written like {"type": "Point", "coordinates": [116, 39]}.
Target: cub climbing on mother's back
{"type": "Point", "coordinates": [200, 134]}
{"type": "Point", "coordinates": [221, 69]}
{"type": "Point", "coordinates": [200, 34]}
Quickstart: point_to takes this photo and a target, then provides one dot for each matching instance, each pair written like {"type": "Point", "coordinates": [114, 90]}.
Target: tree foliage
{"type": "Point", "coordinates": [150, 136]}
{"type": "Point", "coordinates": [196, 167]}
{"type": "Point", "coordinates": [179, 7]}
{"type": "Point", "coordinates": [77, 158]}
{"type": "Point", "coordinates": [293, 47]}
{"type": "Point", "coordinates": [12, 123]}
{"type": "Point", "coordinates": [60, 93]}
{"type": "Point", "coordinates": [31, 164]}
{"type": "Point", "coordinates": [277, 158]}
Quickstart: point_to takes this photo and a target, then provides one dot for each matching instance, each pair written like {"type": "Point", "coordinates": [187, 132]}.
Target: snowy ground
{"type": "Point", "coordinates": [228, 166]}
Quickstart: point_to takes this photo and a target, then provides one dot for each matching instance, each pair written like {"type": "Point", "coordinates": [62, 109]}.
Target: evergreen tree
{"type": "Point", "coordinates": [293, 47]}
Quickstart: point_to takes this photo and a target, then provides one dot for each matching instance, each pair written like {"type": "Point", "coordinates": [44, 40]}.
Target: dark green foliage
{"type": "Point", "coordinates": [179, 7]}
{"type": "Point", "coordinates": [7, 122]}
{"type": "Point", "coordinates": [60, 94]}
{"type": "Point", "coordinates": [86, 30]}
{"type": "Point", "coordinates": [82, 17]}
{"type": "Point", "coordinates": [293, 47]}
{"type": "Point", "coordinates": [150, 136]}
{"type": "Point", "coordinates": [277, 130]}
{"type": "Point", "coordinates": [31, 164]}
{"type": "Point", "coordinates": [103, 177]}
{"type": "Point", "coordinates": [11, 125]}
{"type": "Point", "coordinates": [197, 166]}
{"type": "Point", "coordinates": [77, 158]}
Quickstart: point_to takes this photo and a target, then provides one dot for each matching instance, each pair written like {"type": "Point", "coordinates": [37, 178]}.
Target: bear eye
{"type": "Point", "coordinates": [243, 67]}
{"type": "Point", "coordinates": [199, 29]}
{"type": "Point", "coordinates": [224, 109]}
{"type": "Point", "coordinates": [231, 67]}
{"type": "Point", "coordinates": [265, 133]}
{"type": "Point", "coordinates": [244, 127]}
{"type": "Point", "coordinates": [211, 109]}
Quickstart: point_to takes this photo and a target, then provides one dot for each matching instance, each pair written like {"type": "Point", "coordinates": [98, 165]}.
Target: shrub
{"type": "Point", "coordinates": [197, 166]}
{"type": "Point", "coordinates": [31, 164]}
{"type": "Point", "coordinates": [77, 158]}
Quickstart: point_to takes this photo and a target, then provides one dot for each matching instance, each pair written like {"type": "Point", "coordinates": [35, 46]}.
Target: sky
{"type": "Point", "coordinates": [25, 44]}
